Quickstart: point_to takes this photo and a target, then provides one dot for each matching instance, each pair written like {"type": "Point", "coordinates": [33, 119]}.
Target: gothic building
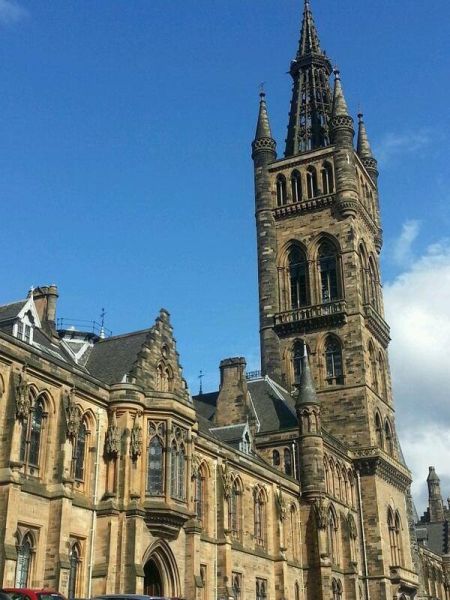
{"type": "Point", "coordinates": [286, 484]}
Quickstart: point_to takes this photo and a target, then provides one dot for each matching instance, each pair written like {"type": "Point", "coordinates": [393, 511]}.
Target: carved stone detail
{"type": "Point", "coordinates": [112, 441]}
{"type": "Point", "coordinates": [23, 399]}
{"type": "Point", "coordinates": [282, 505]}
{"type": "Point", "coordinates": [73, 414]}
{"type": "Point", "coordinates": [136, 438]}
{"type": "Point", "coordinates": [321, 512]}
{"type": "Point", "coordinates": [227, 479]}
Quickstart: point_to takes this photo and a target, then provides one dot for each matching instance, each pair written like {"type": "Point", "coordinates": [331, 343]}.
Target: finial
{"type": "Point", "coordinates": [336, 72]}
{"type": "Point", "coordinates": [201, 375]}
{"type": "Point", "coordinates": [262, 91]}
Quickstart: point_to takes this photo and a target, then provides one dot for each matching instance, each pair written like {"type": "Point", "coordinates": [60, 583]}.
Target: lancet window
{"type": "Point", "coordinates": [259, 507]}
{"type": "Point", "coordinates": [31, 442]}
{"type": "Point", "coordinates": [333, 361]}
{"type": "Point", "coordinates": [327, 178]}
{"type": "Point", "coordinates": [235, 509]}
{"type": "Point", "coordinates": [328, 267]}
{"type": "Point", "coordinates": [74, 569]}
{"type": "Point", "coordinates": [298, 351]}
{"type": "Point", "coordinates": [155, 459]}
{"type": "Point", "coordinates": [296, 185]}
{"type": "Point", "coordinates": [298, 277]}
{"type": "Point", "coordinates": [311, 182]}
{"type": "Point", "coordinates": [394, 526]}
{"type": "Point", "coordinates": [25, 553]}
{"type": "Point", "coordinates": [281, 190]}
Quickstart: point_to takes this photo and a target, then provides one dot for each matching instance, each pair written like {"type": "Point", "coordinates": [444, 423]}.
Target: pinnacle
{"type": "Point", "coordinates": [340, 108]}
{"type": "Point", "coordinates": [309, 39]}
{"type": "Point", "coordinates": [263, 127]}
{"type": "Point", "coordinates": [363, 147]}
{"type": "Point", "coordinates": [306, 393]}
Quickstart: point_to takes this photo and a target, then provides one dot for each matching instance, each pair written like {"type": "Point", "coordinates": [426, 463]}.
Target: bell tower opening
{"type": "Point", "coordinates": [153, 585]}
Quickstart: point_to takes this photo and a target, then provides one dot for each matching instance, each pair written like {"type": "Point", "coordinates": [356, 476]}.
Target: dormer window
{"type": "Point", "coordinates": [23, 328]}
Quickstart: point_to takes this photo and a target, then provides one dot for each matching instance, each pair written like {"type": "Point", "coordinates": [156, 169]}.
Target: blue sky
{"type": "Point", "coordinates": [125, 132]}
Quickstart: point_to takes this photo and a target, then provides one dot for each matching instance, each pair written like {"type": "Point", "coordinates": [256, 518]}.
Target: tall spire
{"type": "Point", "coordinates": [311, 94]}
{"type": "Point", "coordinates": [263, 142]}
{"type": "Point", "coordinates": [340, 108]}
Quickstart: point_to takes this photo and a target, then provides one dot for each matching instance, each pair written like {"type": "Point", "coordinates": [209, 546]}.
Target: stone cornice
{"type": "Point", "coordinates": [375, 462]}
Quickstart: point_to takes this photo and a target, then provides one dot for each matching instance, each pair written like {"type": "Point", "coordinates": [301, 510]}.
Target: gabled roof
{"type": "Point", "coordinates": [11, 311]}
{"type": "Point", "coordinates": [274, 407]}
{"type": "Point", "coordinates": [112, 358]}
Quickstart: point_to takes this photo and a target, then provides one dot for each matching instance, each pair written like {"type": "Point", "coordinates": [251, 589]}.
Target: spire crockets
{"type": "Point", "coordinates": [263, 141]}
{"type": "Point", "coordinates": [311, 94]}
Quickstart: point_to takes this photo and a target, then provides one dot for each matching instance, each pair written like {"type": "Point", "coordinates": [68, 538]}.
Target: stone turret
{"type": "Point", "coordinates": [264, 153]}
{"type": "Point", "coordinates": [342, 133]}
{"type": "Point", "coordinates": [435, 503]}
{"type": "Point", "coordinates": [307, 405]}
{"type": "Point", "coordinates": [365, 151]}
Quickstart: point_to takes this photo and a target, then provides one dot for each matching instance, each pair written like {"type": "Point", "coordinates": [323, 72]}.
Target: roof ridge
{"type": "Point", "coordinates": [24, 300]}
{"type": "Point", "coordinates": [122, 335]}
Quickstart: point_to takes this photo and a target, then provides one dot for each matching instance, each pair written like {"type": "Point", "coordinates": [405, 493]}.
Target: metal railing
{"type": "Point", "coordinates": [83, 325]}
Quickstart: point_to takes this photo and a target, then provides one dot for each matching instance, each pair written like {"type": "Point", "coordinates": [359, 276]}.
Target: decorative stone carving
{"type": "Point", "coordinates": [282, 505]}
{"type": "Point", "coordinates": [227, 479]}
{"type": "Point", "coordinates": [196, 462]}
{"type": "Point", "coordinates": [73, 414]}
{"type": "Point", "coordinates": [23, 399]}
{"type": "Point", "coordinates": [112, 441]}
{"type": "Point", "coordinates": [321, 512]}
{"type": "Point", "coordinates": [136, 438]}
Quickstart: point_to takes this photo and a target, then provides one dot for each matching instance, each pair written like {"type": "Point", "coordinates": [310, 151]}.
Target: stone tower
{"type": "Point", "coordinates": [319, 240]}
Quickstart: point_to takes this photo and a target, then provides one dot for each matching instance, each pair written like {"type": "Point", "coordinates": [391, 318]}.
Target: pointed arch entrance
{"type": "Point", "coordinates": [161, 577]}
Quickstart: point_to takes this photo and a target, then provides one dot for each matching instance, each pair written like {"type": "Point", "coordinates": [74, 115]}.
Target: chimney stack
{"type": "Point", "coordinates": [232, 402]}
{"type": "Point", "coordinates": [45, 298]}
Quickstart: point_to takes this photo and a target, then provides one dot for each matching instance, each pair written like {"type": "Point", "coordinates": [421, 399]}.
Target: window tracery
{"type": "Point", "coordinates": [333, 361]}
{"type": "Point", "coordinates": [281, 190]}
{"type": "Point", "coordinates": [328, 268]}
{"type": "Point", "coordinates": [296, 184]}
{"type": "Point", "coordinates": [155, 458]}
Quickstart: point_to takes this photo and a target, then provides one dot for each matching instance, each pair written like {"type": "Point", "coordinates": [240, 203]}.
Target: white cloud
{"type": "Point", "coordinates": [402, 251]}
{"type": "Point", "coordinates": [417, 308]}
{"type": "Point", "coordinates": [408, 142]}
{"type": "Point", "coordinates": [11, 12]}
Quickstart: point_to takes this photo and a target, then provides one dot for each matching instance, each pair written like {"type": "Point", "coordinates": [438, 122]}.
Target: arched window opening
{"type": "Point", "coordinates": [373, 368]}
{"type": "Point", "coordinates": [333, 362]}
{"type": "Point", "coordinates": [298, 352]}
{"type": "Point", "coordinates": [234, 510]}
{"type": "Point", "coordinates": [80, 452]}
{"type": "Point", "coordinates": [261, 589]}
{"type": "Point", "coordinates": [294, 534]}
{"type": "Point", "coordinates": [199, 497]}
{"type": "Point", "coordinates": [236, 586]}
{"type": "Point", "coordinates": [311, 182]}
{"type": "Point", "coordinates": [288, 462]}
{"type": "Point", "coordinates": [74, 568]}
{"type": "Point", "coordinates": [379, 431]}
{"type": "Point", "coordinates": [382, 376]}
{"type": "Point", "coordinates": [177, 474]}
{"type": "Point", "coordinates": [328, 272]}
{"type": "Point", "coordinates": [259, 507]}
{"type": "Point", "coordinates": [276, 458]}
{"type": "Point", "coordinates": [327, 475]}
{"type": "Point", "coordinates": [373, 285]}
{"type": "Point", "coordinates": [37, 416]}
{"type": "Point", "coordinates": [327, 178]}
{"type": "Point", "coordinates": [155, 473]}
{"type": "Point", "coordinates": [153, 585]}
{"type": "Point", "coordinates": [24, 560]}
{"type": "Point", "coordinates": [388, 437]}
{"type": "Point", "coordinates": [333, 550]}
{"type": "Point", "coordinates": [394, 526]}
{"type": "Point", "coordinates": [181, 473]}
{"type": "Point", "coordinates": [297, 591]}
{"type": "Point", "coordinates": [336, 587]}
{"type": "Point", "coordinates": [298, 278]}
{"type": "Point", "coordinates": [296, 184]}
{"type": "Point", "coordinates": [281, 191]}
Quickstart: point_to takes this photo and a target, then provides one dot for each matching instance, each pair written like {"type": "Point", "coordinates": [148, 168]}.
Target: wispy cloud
{"type": "Point", "coordinates": [395, 143]}
{"type": "Point", "coordinates": [11, 12]}
{"type": "Point", "coordinates": [402, 251]}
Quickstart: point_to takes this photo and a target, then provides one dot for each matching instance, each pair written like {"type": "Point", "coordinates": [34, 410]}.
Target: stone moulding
{"type": "Point", "coordinates": [370, 462]}
{"type": "Point", "coordinates": [309, 318]}
{"type": "Point", "coordinates": [281, 212]}
{"type": "Point", "coordinates": [164, 521]}
{"type": "Point", "coordinates": [377, 325]}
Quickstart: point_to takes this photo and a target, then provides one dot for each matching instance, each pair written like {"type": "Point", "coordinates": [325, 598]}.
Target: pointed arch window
{"type": "Point", "coordinates": [296, 185]}
{"type": "Point", "coordinates": [388, 437]}
{"type": "Point", "coordinates": [373, 285]}
{"type": "Point", "coordinates": [311, 182]}
{"type": "Point", "coordinates": [276, 458]}
{"type": "Point", "coordinates": [281, 190]}
{"type": "Point", "coordinates": [297, 591]}
{"type": "Point", "coordinates": [261, 589]}
{"type": "Point", "coordinates": [234, 510]}
{"type": "Point", "coordinates": [298, 278]}
{"type": "Point", "coordinates": [32, 431]}
{"type": "Point", "coordinates": [24, 560]}
{"type": "Point", "coordinates": [200, 496]}
{"type": "Point", "coordinates": [236, 580]}
{"type": "Point", "coordinates": [294, 535]}
{"type": "Point", "coordinates": [328, 266]}
{"type": "Point", "coordinates": [288, 462]}
{"type": "Point", "coordinates": [177, 467]}
{"type": "Point", "coordinates": [259, 507]}
{"type": "Point", "coordinates": [298, 352]}
{"type": "Point", "coordinates": [373, 368]}
{"type": "Point", "coordinates": [382, 376]}
{"type": "Point", "coordinates": [333, 362]}
{"type": "Point", "coordinates": [379, 430]}
{"type": "Point", "coordinates": [327, 178]}
{"type": "Point", "coordinates": [394, 525]}
{"type": "Point", "coordinates": [80, 452]}
{"type": "Point", "coordinates": [155, 472]}
{"type": "Point", "coordinates": [333, 550]}
{"type": "Point", "coordinates": [336, 587]}
{"type": "Point", "coordinates": [74, 568]}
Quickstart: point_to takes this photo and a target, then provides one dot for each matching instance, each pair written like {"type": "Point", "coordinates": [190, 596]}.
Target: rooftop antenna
{"type": "Point", "coordinates": [201, 375]}
{"type": "Point", "coordinates": [102, 324]}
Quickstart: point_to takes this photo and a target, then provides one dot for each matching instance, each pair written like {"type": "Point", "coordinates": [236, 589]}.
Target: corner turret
{"type": "Point", "coordinates": [307, 405]}
{"type": "Point", "coordinates": [364, 150]}
{"type": "Point", "coordinates": [263, 146]}
{"type": "Point", "coordinates": [435, 503]}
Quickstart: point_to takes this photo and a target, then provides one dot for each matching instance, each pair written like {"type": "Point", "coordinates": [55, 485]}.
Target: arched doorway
{"type": "Point", "coordinates": [153, 585]}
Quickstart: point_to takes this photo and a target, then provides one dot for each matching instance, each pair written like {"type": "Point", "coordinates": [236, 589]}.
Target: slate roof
{"type": "Point", "coordinates": [436, 537]}
{"type": "Point", "coordinates": [230, 433]}
{"type": "Point", "coordinates": [10, 311]}
{"type": "Point", "coordinates": [112, 358]}
{"type": "Point", "coordinates": [274, 407]}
